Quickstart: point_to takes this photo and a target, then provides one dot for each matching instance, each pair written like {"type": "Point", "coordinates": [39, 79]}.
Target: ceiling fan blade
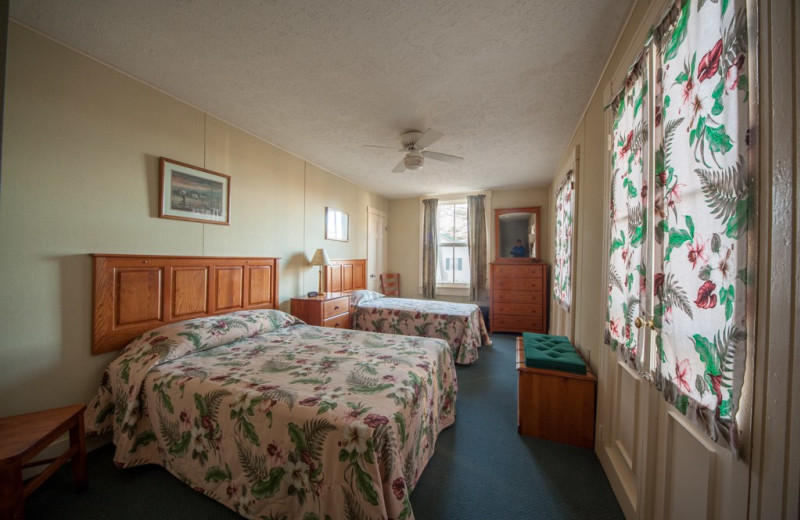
{"type": "Point", "coordinates": [379, 146]}
{"type": "Point", "coordinates": [428, 138]}
{"type": "Point", "coordinates": [401, 166]}
{"type": "Point", "coordinates": [442, 157]}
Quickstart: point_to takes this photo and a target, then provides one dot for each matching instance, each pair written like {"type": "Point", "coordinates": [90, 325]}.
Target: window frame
{"type": "Point", "coordinates": [455, 290]}
{"type": "Point", "coordinates": [464, 244]}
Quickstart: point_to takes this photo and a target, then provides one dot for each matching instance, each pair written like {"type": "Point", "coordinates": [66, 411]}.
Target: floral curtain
{"type": "Point", "coordinates": [430, 245]}
{"type": "Point", "coordinates": [626, 266]}
{"type": "Point", "coordinates": [703, 190]}
{"type": "Point", "coordinates": [562, 276]}
{"type": "Point", "coordinates": [476, 236]}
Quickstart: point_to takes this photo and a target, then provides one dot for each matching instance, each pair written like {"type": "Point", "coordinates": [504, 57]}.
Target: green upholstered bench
{"type": "Point", "coordinates": [556, 391]}
{"type": "Point", "coordinates": [552, 353]}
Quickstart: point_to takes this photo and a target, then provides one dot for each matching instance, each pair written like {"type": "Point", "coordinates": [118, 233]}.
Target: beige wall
{"type": "Point", "coordinates": [404, 247]}
{"type": "Point", "coordinates": [404, 233]}
{"type": "Point", "coordinates": [80, 175]}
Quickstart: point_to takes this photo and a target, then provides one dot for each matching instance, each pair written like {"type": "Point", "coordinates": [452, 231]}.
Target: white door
{"type": "Point", "coordinates": [376, 247]}
{"type": "Point", "coordinates": [660, 465]}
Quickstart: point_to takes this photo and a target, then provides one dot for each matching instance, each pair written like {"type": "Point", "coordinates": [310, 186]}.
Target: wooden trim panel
{"type": "Point", "coordinates": [133, 294]}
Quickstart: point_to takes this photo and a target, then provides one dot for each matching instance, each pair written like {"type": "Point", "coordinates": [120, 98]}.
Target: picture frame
{"type": "Point", "coordinates": [192, 193]}
{"type": "Point", "coordinates": [337, 225]}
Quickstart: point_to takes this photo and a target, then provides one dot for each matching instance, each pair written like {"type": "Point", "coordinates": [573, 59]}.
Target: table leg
{"type": "Point", "coordinates": [12, 502]}
{"type": "Point", "coordinates": [77, 438]}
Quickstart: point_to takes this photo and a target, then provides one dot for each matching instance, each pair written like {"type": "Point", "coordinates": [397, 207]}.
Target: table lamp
{"type": "Point", "coordinates": [320, 258]}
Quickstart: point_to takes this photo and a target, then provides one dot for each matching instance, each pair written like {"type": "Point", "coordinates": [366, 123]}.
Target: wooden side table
{"type": "Point", "coordinates": [326, 310]}
{"type": "Point", "coordinates": [22, 437]}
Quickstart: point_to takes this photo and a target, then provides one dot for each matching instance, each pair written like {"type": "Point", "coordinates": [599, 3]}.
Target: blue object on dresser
{"type": "Point", "coordinates": [552, 353]}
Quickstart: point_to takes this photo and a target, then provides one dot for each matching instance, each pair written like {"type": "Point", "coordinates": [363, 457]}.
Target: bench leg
{"type": "Point", "coordinates": [12, 501]}
{"type": "Point", "coordinates": [77, 438]}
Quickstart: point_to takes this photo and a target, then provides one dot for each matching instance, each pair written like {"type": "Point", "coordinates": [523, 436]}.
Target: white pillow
{"type": "Point", "coordinates": [363, 295]}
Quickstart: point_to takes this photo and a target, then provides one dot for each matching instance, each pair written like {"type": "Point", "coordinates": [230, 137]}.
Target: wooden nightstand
{"type": "Point", "coordinates": [24, 436]}
{"type": "Point", "coordinates": [327, 310]}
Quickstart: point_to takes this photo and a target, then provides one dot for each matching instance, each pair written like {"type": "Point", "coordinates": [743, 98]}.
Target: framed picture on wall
{"type": "Point", "coordinates": [188, 192]}
{"type": "Point", "coordinates": [336, 225]}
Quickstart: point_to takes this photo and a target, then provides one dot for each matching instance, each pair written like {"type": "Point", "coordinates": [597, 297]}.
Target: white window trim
{"type": "Point", "coordinates": [452, 289]}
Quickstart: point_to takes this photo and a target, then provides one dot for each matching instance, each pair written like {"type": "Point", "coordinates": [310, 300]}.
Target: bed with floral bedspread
{"type": "Point", "coordinates": [278, 419]}
{"type": "Point", "coordinates": [460, 324]}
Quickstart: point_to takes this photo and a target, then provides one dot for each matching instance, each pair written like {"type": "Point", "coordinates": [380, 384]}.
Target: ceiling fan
{"type": "Point", "coordinates": [414, 143]}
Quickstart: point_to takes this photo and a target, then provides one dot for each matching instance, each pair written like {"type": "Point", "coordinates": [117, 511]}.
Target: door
{"type": "Point", "coordinates": [677, 249]}
{"type": "Point", "coordinates": [627, 403]}
{"type": "Point", "coordinates": [376, 247]}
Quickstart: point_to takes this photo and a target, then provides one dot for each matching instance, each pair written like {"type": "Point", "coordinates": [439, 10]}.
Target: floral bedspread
{"type": "Point", "coordinates": [460, 324]}
{"type": "Point", "coordinates": [278, 419]}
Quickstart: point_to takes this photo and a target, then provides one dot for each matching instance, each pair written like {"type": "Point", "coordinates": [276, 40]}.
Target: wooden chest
{"type": "Point", "coordinates": [518, 298]}
{"type": "Point", "coordinates": [554, 405]}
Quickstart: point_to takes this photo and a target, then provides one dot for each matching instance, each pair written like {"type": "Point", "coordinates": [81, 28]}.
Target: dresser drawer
{"type": "Point", "coordinates": [507, 323]}
{"type": "Point", "coordinates": [335, 307]}
{"type": "Point", "coordinates": [341, 321]}
{"type": "Point", "coordinates": [517, 284]}
{"type": "Point", "coordinates": [518, 271]}
{"type": "Point", "coordinates": [517, 297]}
{"type": "Point", "coordinates": [518, 309]}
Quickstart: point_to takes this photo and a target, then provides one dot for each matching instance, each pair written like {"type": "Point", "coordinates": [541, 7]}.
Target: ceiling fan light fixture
{"type": "Point", "coordinates": [415, 145]}
{"type": "Point", "coordinates": [413, 161]}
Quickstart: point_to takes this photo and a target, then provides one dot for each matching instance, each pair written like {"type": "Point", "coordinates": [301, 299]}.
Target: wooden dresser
{"type": "Point", "coordinates": [326, 310]}
{"type": "Point", "coordinates": [519, 298]}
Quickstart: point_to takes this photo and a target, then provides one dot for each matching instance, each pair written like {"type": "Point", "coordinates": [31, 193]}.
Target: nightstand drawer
{"type": "Point", "coordinates": [341, 321]}
{"type": "Point", "coordinates": [335, 307]}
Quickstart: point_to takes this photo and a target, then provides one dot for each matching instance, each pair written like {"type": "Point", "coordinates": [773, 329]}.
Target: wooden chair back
{"type": "Point", "coordinates": [390, 284]}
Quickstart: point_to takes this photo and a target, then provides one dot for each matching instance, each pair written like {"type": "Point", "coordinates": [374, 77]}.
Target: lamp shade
{"type": "Point", "coordinates": [320, 258]}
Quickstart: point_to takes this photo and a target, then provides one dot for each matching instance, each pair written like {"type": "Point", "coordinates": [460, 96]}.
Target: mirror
{"type": "Point", "coordinates": [336, 225]}
{"type": "Point", "coordinates": [516, 234]}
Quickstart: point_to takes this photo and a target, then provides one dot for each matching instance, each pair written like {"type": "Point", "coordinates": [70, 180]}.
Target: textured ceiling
{"type": "Point", "coordinates": [506, 81]}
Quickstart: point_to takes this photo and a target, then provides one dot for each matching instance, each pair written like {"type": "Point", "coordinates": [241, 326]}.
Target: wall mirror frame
{"type": "Point", "coordinates": [517, 235]}
{"type": "Point", "coordinates": [337, 224]}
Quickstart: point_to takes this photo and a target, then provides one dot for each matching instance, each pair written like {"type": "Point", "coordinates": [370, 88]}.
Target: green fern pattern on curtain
{"type": "Point", "coordinates": [626, 267]}
{"type": "Point", "coordinates": [562, 275]}
{"type": "Point", "coordinates": [703, 190]}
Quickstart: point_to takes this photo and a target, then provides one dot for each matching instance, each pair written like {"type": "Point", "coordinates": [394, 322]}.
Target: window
{"type": "Point", "coordinates": [562, 269]}
{"type": "Point", "coordinates": [680, 260]}
{"type": "Point", "coordinates": [453, 261]}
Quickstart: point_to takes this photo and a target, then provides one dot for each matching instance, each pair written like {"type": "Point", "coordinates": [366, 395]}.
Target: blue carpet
{"type": "Point", "coordinates": [481, 469]}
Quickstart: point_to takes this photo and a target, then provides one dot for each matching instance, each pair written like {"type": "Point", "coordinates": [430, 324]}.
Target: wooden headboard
{"type": "Point", "coordinates": [346, 275]}
{"type": "Point", "coordinates": [133, 294]}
